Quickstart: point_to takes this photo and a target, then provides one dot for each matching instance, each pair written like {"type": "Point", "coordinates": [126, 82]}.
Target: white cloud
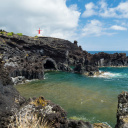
{"type": "Point", "coordinates": [103, 10]}
{"type": "Point", "coordinates": [95, 28]}
{"type": "Point", "coordinates": [121, 11]}
{"type": "Point", "coordinates": [90, 10]}
{"type": "Point", "coordinates": [52, 16]}
{"type": "Point", "coordinates": [116, 27]}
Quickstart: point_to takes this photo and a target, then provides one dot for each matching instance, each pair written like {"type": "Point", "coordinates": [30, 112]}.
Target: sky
{"type": "Point", "coordinates": [97, 25]}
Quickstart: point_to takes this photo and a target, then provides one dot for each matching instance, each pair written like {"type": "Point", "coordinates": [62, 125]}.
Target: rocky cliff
{"type": "Point", "coordinates": [10, 99]}
{"type": "Point", "coordinates": [31, 56]}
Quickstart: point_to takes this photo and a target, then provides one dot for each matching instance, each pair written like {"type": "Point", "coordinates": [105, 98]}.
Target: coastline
{"type": "Point", "coordinates": [31, 57]}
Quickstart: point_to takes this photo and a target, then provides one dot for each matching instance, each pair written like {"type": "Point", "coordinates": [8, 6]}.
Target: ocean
{"type": "Point", "coordinates": [92, 99]}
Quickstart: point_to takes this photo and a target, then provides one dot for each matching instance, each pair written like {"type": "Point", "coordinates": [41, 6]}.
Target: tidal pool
{"type": "Point", "coordinates": [91, 99]}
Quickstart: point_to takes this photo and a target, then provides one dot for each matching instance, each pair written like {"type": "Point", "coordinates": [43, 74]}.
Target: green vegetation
{"type": "Point", "coordinates": [10, 34]}
{"type": "Point", "coordinates": [19, 34]}
{"type": "Point", "coordinates": [39, 102]}
{"type": "Point", "coordinates": [2, 32]}
{"type": "Point", "coordinates": [36, 36]}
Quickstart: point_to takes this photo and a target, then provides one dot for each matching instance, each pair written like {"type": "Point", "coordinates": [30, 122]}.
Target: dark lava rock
{"type": "Point", "coordinates": [59, 117]}
{"type": "Point", "coordinates": [79, 68]}
{"type": "Point", "coordinates": [90, 68]}
{"type": "Point", "coordinates": [105, 59]}
{"type": "Point", "coordinates": [10, 100]}
{"type": "Point", "coordinates": [122, 111]}
{"type": "Point", "coordinates": [64, 67]}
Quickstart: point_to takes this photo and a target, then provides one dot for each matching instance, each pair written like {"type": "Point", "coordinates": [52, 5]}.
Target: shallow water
{"type": "Point", "coordinates": [92, 99]}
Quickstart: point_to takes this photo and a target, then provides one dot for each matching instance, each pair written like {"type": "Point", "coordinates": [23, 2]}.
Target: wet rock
{"type": "Point", "coordinates": [79, 124]}
{"type": "Point", "coordinates": [101, 125]}
{"type": "Point", "coordinates": [18, 80]}
{"type": "Point", "coordinates": [90, 68]}
{"type": "Point", "coordinates": [79, 68]}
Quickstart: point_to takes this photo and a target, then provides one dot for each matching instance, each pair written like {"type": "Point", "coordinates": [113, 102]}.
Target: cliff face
{"type": "Point", "coordinates": [31, 56]}
{"type": "Point", "coordinates": [10, 99]}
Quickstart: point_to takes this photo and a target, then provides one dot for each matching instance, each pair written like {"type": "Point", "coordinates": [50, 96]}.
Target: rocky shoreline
{"type": "Point", "coordinates": [27, 58]}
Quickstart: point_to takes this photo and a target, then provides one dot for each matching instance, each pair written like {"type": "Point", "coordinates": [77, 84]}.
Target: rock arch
{"type": "Point", "coordinates": [49, 64]}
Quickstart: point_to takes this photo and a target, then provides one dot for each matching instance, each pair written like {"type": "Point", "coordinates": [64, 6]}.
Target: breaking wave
{"type": "Point", "coordinates": [109, 75]}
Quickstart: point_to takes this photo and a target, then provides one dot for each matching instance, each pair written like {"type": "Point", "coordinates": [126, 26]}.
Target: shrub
{"type": "Point", "coordinates": [10, 34]}
{"type": "Point", "coordinates": [40, 102]}
{"type": "Point", "coordinates": [32, 122]}
{"type": "Point", "coordinates": [19, 34]}
{"type": "Point", "coordinates": [2, 32]}
{"type": "Point", "coordinates": [36, 36]}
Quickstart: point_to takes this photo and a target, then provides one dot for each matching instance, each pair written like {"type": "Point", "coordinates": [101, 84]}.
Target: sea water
{"type": "Point", "coordinates": [92, 99]}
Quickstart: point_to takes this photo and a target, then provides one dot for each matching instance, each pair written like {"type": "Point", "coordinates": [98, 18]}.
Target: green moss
{"type": "Point", "coordinates": [19, 34]}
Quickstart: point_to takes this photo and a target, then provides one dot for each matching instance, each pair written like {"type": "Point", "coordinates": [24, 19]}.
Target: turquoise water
{"type": "Point", "coordinates": [92, 99]}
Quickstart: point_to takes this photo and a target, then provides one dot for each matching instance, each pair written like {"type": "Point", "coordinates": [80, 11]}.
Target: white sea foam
{"type": "Point", "coordinates": [46, 76]}
{"type": "Point", "coordinates": [108, 75]}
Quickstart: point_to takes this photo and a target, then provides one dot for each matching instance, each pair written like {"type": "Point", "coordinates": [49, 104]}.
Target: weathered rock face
{"type": "Point", "coordinates": [64, 67]}
{"type": "Point", "coordinates": [87, 70]}
{"type": "Point", "coordinates": [122, 111]}
{"type": "Point", "coordinates": [79, 68]}
{"type": "Point", "coordinates": [10, 100]}
{"type": "Point", "coordinates": [29, 55]}
{"type": "Point", "coordinates": [62, 53]}
{"type": "Point", "coordinates": [29, 67]}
